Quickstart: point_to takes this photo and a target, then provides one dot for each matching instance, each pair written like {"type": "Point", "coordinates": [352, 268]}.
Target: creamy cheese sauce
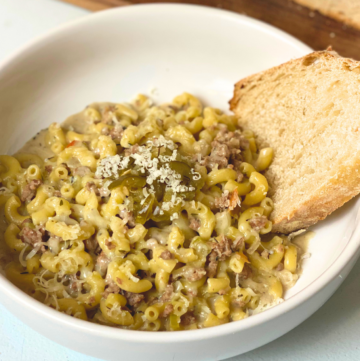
{"type": "Point", "coordinates": [260, 283]}
{"type": "Point", "coordinates": [37, 145]}
{"type": "Point", "coordinates": [302, 240]}
{"type": "Point", "coordinates": [79, 123]}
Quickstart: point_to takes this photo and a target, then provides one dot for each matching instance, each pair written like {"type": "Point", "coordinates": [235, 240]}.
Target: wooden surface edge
{"type": "Point", "coordinates": [96, 5]}
{"type": "Point", "coordinates": [325, 10]}
{"type": "Point", "coordinates": [309, 26]}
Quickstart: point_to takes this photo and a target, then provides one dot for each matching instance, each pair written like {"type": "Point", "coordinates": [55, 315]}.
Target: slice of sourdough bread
{"type": "Point", "coordinates": [308, 111]}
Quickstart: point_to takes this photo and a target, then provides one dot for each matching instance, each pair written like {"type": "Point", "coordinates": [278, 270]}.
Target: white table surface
{"type": "Point", "coordinates": [333, 333]}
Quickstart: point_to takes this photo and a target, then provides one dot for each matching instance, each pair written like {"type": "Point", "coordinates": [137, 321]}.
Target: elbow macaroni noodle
{"type": "Point", "coordinates": [142, 220]}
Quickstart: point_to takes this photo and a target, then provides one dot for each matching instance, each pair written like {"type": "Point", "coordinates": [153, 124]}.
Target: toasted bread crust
{"type": "Point", "coordinates": [338, 190]}
{"type": "Point", "coordinates": [335, 191]}
{"type": "Point", "coordinates": [241, 85]}
{"type": "Point", "coordinates": [348, 14]}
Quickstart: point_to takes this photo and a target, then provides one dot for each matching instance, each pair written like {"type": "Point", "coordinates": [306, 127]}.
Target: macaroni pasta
{"type": "Point", "coordinates": [146, 218]}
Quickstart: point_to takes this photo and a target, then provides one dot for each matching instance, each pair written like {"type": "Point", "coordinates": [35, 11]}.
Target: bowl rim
{"type": "Point", "coordinates": [333, 271]}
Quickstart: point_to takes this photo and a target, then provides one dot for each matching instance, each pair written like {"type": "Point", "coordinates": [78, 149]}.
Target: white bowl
{"type": "Point", "coordinates": [112, 56]}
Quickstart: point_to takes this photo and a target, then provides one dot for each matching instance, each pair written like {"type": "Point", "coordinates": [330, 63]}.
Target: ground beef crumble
{"type": "Point", "coordinates": [195, 224]}
{"type": "Point", "coordinates": [127, 217]}
{"type": "Point", "coordinates": [258, 223]}
{"type": "Point", "coordinates": [33, 236]}
{"type": "Point", "coordinates": [228, 200]}
{"type": "Point", "coordinates": [246, 272]}
{"type": "Point", "coordinates": [74, 285]}
{"type": "Point", "coordinates": [91, 187]}
{"type": "Point", "coordinates": [238, 244]}
{"type": "Point", "coordinates": [56, 193]}
{"type": "Point", "coordinates": [238, 302]}
{"type": "Point", "coordinates": [112, 287]}
{"type": "Point", "coordinates": [48, 168]}
{"type": "Point", "coordinates": [166, 255]}
{"type": "Point", "coordinates": [133, 299]}
{"type": "Point", "coordinates": [167, 311]}
{"type": "Point", "coordinates": [223, 202]}
{"type": "Point", "coordinates": [29, 191]}
{"type": "Point", "coordinates": [226, 149]}
{"type": "Point", "coordinates": [222, 248]}
{"type": "Point", "coordinates": [212, 264]}
{"type": "Point", "coordinates": [116, 132]}
{"type": "Point", "coordinates": [167, 294]}
{"type": "Point", "coordinates": [109, 245]}
{"type": "Point", "coordinates": [193, 274]}
{"type": "Point", "coordinates": [102, 263]}
{"type": "Point", "coordinates": [188, 318]}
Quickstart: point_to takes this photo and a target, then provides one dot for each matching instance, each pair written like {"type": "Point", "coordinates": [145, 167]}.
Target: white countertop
{"type": "Point", "coordinates": [332, 333]}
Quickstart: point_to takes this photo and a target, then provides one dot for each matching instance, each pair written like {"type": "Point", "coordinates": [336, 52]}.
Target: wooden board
{"type": "Point", "coordinates": [311, 27]}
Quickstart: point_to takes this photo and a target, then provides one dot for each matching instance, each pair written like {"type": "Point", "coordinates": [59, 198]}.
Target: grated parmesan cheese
{"type": "Point", "coordinates": [110, 166]}
{"type": "Point", "coordinates": [33, 252]}
{"type": "Point", "coordinates": [197, 175]}
{"type": "Point", "coordinates": [145, 162]}
{"type": "Point", "coordinates": [128, 273]}
{"type": "Point", "coordinates": [174, 216]}
{"type": "Point", "coordinates": [21, 256]}
{"type": "Point", "coordinates": [161, 141]}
